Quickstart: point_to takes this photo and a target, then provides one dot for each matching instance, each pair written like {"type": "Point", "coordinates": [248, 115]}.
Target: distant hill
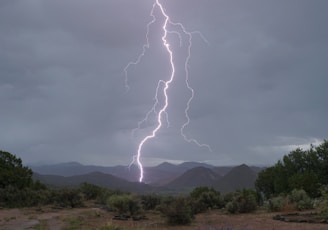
{"type": "Point", "coordinates": [190, 165]}
{"type": "Point", "coordinates": [166, 167]}
{"type": "Point", "coordinates": [163, 176]}
{"type": "Point", "coordinates": [199, 176]}
{"type": "Point", "coordinates": [74, 169]}
{"type": "Point", "coordinates": [238, 178]}
{"type": "Point", "coordinates": [97, 178]}
{"type": "Point", "coordinates": [165, 172]}
{"type": "Point", "coordinates": [157, 175]}
{"type": "Point", "coordinates": [222, 170]}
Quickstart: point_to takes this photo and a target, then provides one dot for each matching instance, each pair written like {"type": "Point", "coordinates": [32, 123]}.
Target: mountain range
{"type": "Point", "coordinates": [163, 177]}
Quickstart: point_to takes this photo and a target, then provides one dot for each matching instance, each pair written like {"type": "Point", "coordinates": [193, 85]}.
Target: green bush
{"type": "Point", "coordinates": [204, 198]}
{"type": "Point", "coordinates": [125, 204]}
{"type": "Point", "coordinates": [301, 200]}
{"type": "Point", "coordinates": [197, 206]}
{"type": "Point", "coordinates": [324, 203]}
{"type": "Point", "coordinates": [243, 201]}
{"type": "Point", "coordinates": [277, 204]}
{"type": "Point", "coordinates": [93, 192]}
{"type": "Point", "coordinates": [177, 212]}
{"type": "Point", "coordinates": [232, 207]}
{"type": "Point", "coordinates": [68, 198]}
{"type": "Point", "coordinates": [150, 201]}
{"type": "Point", "coordinates": [103, 197]}
{"type": "Point", "coordinates": [296, 200]}
{"type": "Point", "coordinates": [12, 197]}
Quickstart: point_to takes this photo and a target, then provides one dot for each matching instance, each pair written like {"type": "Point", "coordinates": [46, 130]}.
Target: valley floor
{"type": "Point", "coordinates": [47, 218]}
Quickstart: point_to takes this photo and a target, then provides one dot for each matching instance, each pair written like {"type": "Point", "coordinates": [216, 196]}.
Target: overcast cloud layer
{"type": "Point", "coordinates": [260, 84]}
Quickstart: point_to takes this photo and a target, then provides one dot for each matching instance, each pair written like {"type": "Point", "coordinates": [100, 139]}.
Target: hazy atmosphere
{"type": "Point", "coordinates": [260, 82]}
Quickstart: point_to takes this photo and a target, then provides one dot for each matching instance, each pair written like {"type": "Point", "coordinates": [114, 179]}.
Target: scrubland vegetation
{"type": "Point", "coordinates": [298, 182]}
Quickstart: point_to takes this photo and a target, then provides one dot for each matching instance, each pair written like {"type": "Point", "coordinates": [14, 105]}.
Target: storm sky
{"type": "Point", "coordinates": [260, 82]}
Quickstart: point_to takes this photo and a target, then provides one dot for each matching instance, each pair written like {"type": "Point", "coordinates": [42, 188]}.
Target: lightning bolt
{"type": "Point", "coordinates": [163, 86]}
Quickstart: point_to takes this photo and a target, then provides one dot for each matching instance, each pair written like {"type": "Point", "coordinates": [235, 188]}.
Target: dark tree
{"type": "Point", "coordinates": [13, 173]}
{"type": "Point", "coordinates": [300, 169]}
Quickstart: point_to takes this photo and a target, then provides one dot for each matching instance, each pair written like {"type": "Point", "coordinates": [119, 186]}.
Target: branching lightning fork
{"type": "Point", "coordinates": [163, 86]}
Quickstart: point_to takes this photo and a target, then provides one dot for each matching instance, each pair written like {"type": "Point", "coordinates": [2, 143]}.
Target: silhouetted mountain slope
{"type": "Point", "coordinates": [159, 174]}
{"type": "Point", "coordinates": [188, 174]}
{"type": "Point", "coordinates": [166, 167]}
{"type": "Point", "coordinates": [61, 169]}
{"type": "Point", "coordinates": [190, 165]}
{"type": "Point", "coordinates": [199, 176]}
{"type": "Point", "coordinates": [257, 169]}
{"type": "Point", "coordinates": [222, 170]}
{"type": "Point", "coordinates": [238, 178]}
{"type": "Point", "coordinates": [74, 169]}
{"type": "Point", "coordinates": [97, 178]}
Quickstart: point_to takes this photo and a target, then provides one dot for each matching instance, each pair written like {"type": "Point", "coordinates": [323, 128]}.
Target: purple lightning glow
{"type": "Point", "coordinates": [163, 86]}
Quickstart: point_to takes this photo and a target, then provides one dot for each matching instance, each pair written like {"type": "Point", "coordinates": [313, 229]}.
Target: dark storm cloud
{"type": "Point", "coordinates": [259, 84]}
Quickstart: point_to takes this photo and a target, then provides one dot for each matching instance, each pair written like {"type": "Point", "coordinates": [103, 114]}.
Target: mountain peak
{"type": "Point", "coordinates": [197, 176]}
{"type": "Point", "coordinates": [165, 164]}
{"type": "Point", "coordinates": [241, 168]}
{"type": "Point", "coordinates": [242, 176]}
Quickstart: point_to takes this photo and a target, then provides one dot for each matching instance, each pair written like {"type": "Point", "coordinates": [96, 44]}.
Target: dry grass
{"type": "Point", "coordinates": [95, 218]}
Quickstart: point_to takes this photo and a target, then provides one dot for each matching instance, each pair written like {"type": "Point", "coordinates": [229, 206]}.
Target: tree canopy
{"type": "Point", "coordinates": [13, 173]}
{"type": "Point", "coordinates": [300, 169]}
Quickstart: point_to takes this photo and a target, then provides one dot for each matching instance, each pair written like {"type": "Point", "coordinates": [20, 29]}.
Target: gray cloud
{"type": "Point", "coordinates": [259, 84]}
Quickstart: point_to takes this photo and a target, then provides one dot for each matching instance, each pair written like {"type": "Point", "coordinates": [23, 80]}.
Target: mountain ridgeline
{"type": "Point", "coordinates": [160, 178]}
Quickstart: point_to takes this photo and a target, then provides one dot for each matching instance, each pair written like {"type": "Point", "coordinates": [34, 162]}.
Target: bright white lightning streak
{"type": "Point", "coordinates": [166, 84]}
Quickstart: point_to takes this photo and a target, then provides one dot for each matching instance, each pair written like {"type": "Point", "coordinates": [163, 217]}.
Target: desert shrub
{"type": "Point", "coordinates": [247, 201]}
{"type": "Point", "coordinates": [103, 197]}
{"type": "Point", "coordinates": [92, 192]}
{"type": "Point", "coordinates": [38, 197]}
{"type": "Point", "coordinates": [68, 197]}
{"type": "Point", "coordinates": [204, 198]}
{"type": "Point", "coordinates": [177, 212]}
{"type": "Point", "coordinates": [12, 197]}
{"type": "Point", "coordinates": [120, 203]}
{"type": "Point", "coordinates": [228, 197]}
{"type": "Point", "coordinates": [296, 200]}
{"type": "Point", "coordinates": [150, 201]}
{"type": "Point", "coordinates": [197, 192]}
{"type": "Point", "coordinates": [135, 206]}
{"type": "Point", "coordinates": [125, 204]}
{"type": "Point", "coordinates": [323, 206]}
{"type": "Point", "coordinates": [277, 204]}
{"type": "Point", "coordinates": [232, 206]}
{"type": "Point", "coordinates": [243, 201]}
{"type": "Point", "coordinates": [196, 206]}
{"type": "Point", "coordinates": [301, 200]}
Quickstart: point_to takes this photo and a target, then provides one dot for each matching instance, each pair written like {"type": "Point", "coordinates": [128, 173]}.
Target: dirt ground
{"type": "Point", "coordinates": [47, 218]}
